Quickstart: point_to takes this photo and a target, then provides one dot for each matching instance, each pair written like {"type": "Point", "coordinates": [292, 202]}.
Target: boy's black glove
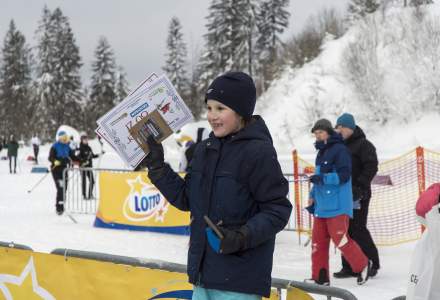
{"type": "Point", "coordinates": [233, 240]}
{"type": "Point", "coordinates": [154, 161]}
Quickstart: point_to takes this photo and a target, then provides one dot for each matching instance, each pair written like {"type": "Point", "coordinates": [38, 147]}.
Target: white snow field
{"type": "Point", "coordinates": [30, 219]}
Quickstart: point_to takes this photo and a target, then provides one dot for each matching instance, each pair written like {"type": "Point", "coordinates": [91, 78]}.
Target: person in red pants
{"type": "Point", "coordinates": [331, 203]}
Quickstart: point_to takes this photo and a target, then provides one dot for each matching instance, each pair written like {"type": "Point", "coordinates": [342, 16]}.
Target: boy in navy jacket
{"type": "Point", "coordinates": [235, 182]}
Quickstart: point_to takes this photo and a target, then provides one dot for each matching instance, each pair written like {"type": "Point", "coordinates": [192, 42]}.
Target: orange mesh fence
{"type": "Point", "coordinates": [395, 190]}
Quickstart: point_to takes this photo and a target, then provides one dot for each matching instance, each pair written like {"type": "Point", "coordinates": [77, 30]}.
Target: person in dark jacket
{"type": "Point", "coordinates": [60, 155]}
{"type": "Point", "coordinates": [364, 168]}
{"type": "Point", "coordinates": [331, 203]}
{"type": "Point", "coordinates": [85, 158]}
{"type": "Point", "coordinates": [235, 183]}
{"type": "Point", "coordinates": [12, 153]}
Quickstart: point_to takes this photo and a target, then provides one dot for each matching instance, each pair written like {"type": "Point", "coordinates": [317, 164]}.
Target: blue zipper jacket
{"type": "Point", "coordinates": [333, 197]}
{"type": "Point", "coordinates": [236, 181]}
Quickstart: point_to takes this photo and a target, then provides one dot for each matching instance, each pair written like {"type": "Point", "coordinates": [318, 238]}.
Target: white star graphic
{"type": "Point", "coordinates": [18, 280]}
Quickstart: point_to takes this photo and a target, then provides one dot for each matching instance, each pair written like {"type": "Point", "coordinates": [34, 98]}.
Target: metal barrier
{"type": "Point", "coordinates": [279, 284]}
{"type": "Point", "coordinates": [81, 195]}
{"type": "Point", "coordinates": [15, 246]}
{"type": "Point", "coordinates": [76, 203]}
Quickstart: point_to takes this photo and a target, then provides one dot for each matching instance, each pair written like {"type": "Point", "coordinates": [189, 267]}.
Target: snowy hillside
{"type": "Point", "coordinates": [384, 70]}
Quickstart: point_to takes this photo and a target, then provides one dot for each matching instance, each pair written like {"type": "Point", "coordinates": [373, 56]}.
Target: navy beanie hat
{"type": "Point", "coordinates": [346, 120]}
{"type": "Point", "coordinates": [236, 90]}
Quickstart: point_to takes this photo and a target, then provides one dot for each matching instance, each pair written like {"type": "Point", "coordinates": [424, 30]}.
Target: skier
{"type": "Point", "coordinates": [331, 203]}
{"type": "Point", "coordinates": [85, 158]}
{"type": "Point", "coordinates": [35, 141]}
{"type": "Point", "coordinates": [12, 153]}
{"type": "Point", "coordinates": [236, 194]}
{"type": "Point", "coordinates": [364, 168]}
{"type": "Point", "coordinates": [60, 155]}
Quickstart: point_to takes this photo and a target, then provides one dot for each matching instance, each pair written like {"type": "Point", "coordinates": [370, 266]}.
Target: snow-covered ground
{"type": "Point", "coordinates": [30, 219]}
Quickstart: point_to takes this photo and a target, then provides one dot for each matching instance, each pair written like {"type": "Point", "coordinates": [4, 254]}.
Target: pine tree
{"type": "Point", "coordinates": [242, 26]}
{"type": "Point", "coordinates": [272, 20]}
{"type": "Point", "coordinates": [358, 9]}
{"type": "Point", "coordinates": [59, 91]}
{"type": "Point", "coordinates": [103, 92]}
{"type": "Point", "coordinates": [15, 81]}
{"type": "Point", "coordinates": [122, 88]}
{"type": "Point", "coordinates": [175, 64]}
{"type": "Point", "coordinates": [212, 61]}
{"type": "Point", "coordinates": [45, 84]}
{"type": "Point", "coordinates": [68, 67]}
{"type": "Point", "coordinates": [229, 40]}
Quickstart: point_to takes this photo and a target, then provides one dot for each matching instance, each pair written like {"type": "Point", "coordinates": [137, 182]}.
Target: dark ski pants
{"type": "Point", "coordinates": [10, 164]}
{"type": "Point", "coordinates": [335, 229]}
{"type": "Point", "coordinates": [359, 232]}
{"type": "Point", "coordinates": [91, 179]}
{"type": "Point", "coordinates": [36, 150]}
{"type": "Point", "coordinates": [57, 174]}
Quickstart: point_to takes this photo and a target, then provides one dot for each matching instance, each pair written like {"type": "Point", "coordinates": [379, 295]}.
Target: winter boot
{"type": "Point", "coordinates": [59, 209]}
{"type": "Point", "coordinates": [322, 279]}
{"type": "Point", "coordinates": [373, 272]}
{"type": "Point", "coordinates": [344, 273]}
{"type": "Point", "coordinates": [363, 276]}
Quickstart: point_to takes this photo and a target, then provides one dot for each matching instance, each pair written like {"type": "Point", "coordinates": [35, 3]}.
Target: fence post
{"type": "Point", "coordinates": [297, 193]}
{"type": "Point", "coordinates": [421, 179]}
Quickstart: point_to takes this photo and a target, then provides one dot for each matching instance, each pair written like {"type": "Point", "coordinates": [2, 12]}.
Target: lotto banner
{"type": "Point", "coordinates": [130, 201]}
{"type": "Point", "coordinates": [27, 275]}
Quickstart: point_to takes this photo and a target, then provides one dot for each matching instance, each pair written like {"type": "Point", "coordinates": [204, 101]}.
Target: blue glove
{"type": "Point", "coordinates": [233, 241]}
{"type": "Point", "coordinates": [317, 179]}
{"type": "Point", "coordinates": [213, 240]}
{"type": "Point", "coordinates": [357, 204]}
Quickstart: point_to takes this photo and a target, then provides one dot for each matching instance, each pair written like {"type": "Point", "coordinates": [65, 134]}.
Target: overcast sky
{"type": "Point", "coordinates": [136, 29]}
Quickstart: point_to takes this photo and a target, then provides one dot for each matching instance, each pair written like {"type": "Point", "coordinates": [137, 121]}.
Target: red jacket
{"type": "Point", "coordinates": [428, 200]}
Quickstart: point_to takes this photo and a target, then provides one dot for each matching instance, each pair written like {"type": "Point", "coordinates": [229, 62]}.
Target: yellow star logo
{"type": "Point", "coordinates": [137, 185]}
{"type": "Point", "coordinates": [24, 286]}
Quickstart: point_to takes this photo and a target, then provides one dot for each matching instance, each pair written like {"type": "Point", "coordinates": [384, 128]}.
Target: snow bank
{"type": "Point", "coordinates": [401, 60]}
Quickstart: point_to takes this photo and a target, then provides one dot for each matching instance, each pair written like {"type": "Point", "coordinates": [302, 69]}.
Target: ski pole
{"type": "Point", "coordinates": [38, 183]}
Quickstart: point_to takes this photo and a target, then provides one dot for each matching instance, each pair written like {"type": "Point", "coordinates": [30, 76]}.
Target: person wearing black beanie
{"type": "Point", "coordinates": [236, 90]}
{"type": "Point", "coordinates": [235, 191]}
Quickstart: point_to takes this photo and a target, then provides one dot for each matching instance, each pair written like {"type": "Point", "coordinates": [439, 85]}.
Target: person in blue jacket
{"type": "Point", "coordinates": [331, 203]}
{"type": "Point", "coordinates": [60, 156]}
{"type": "Point", "coordinates": [235, 182]}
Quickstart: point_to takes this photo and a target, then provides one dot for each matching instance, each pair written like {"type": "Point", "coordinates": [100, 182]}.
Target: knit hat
{"type": "Point", "coordinates": [62, 133]}
{"type": "Point", "coordinates": [323, 124]}
{"type": "Point", "coordinates": [346, 120]}
{"type": "Point", "coordinates": [236, 90]}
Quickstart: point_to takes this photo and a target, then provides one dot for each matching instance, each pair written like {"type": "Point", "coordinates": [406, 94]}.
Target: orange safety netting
{"type": "Point", "coordinates": [395, 189]}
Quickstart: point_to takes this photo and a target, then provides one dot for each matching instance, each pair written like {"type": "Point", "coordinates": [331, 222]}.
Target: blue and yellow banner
{"type": "Point", "coordinates": [130, 201]}
{"type": "Point", "coordinates": [27, 275]}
